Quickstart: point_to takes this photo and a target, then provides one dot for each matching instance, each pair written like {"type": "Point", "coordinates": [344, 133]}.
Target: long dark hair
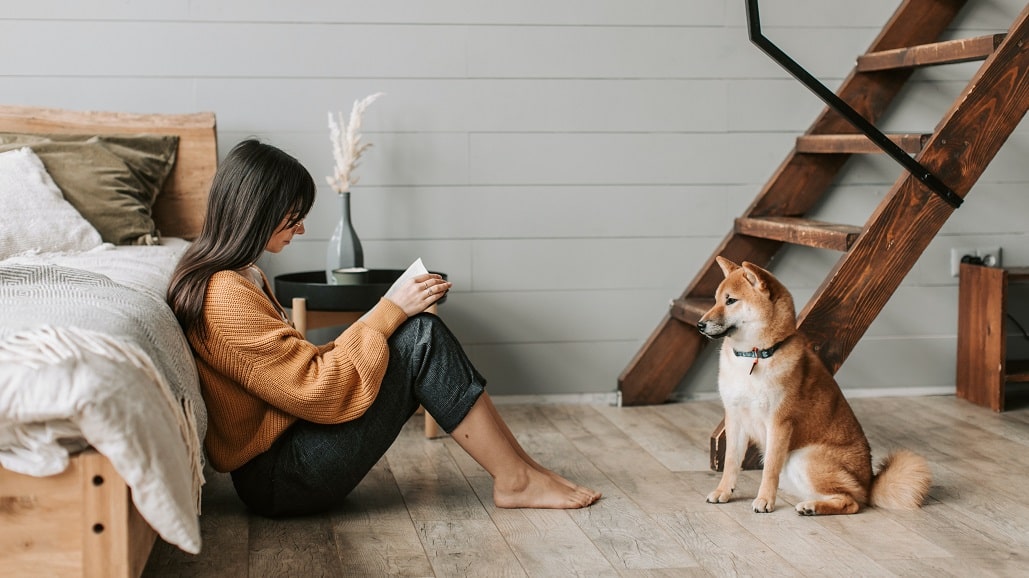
{"type": "Point", "coordinates": [255, 188]}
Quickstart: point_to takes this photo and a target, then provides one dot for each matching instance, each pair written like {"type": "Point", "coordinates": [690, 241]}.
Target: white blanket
{"type": "Point", "coordinates": [86, 359]}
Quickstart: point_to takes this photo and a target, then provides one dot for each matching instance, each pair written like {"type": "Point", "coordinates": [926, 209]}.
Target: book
{"type": "Point", "coordinates": [415, 269]}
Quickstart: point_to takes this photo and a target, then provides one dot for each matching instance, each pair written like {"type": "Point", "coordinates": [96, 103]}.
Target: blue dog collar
{"type": "Point", "coordinates": [758, 354]}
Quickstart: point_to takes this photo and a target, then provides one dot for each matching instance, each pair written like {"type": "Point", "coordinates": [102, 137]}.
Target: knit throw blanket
{"type": "Point", "coordinates": [85, 360]}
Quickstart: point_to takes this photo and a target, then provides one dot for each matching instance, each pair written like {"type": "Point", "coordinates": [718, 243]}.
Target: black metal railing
{"type": "Point", "coordinates": [840, 106]}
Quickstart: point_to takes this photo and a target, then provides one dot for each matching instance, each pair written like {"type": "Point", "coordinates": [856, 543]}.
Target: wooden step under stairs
{"type": "Point", "coordinates": [876, 257]}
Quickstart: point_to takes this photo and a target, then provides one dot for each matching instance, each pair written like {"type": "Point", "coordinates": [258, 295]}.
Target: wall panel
{"type": "Point", "coordinates": [569, 163]}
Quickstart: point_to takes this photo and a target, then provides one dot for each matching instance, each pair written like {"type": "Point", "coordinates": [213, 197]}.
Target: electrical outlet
{"type": "Point", "coordinates": [989, 255]}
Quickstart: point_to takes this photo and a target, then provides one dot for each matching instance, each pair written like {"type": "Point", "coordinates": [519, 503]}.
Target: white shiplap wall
{"type": "Point", "coordinates": [569, 163]}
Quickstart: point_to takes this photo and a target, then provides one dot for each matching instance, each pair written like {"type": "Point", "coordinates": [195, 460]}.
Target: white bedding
{"type": "Point", "coordinates": [102, 361]}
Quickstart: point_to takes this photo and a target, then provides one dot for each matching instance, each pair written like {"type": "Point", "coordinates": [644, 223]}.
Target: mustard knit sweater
{"type": "Point", "coordinates": [258, 375]}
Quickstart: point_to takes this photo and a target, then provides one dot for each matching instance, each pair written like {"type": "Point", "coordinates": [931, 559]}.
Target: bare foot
{"type": "Point", "coordinates": [535, 489]}
{"type": "Point", "coordinates": [566, 482]}
{"type": "Point", "coordinates": [557, 477]}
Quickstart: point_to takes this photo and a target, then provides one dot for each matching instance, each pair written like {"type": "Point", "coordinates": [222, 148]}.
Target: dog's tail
{"type": "Point", "coordinates": [902, 481]}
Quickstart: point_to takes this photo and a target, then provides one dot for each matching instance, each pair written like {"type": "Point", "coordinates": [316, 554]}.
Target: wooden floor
{"type": "Point", "coordinates": [426, 510]}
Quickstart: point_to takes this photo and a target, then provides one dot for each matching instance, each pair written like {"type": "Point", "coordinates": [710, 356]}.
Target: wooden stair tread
{"type": "Point", "coordinates": [1017, 370]}
{"type": "Point", "coordinates": [857, 143]}
{"type": "Point", "coordinates": [905, 222]}
{"type": "Point", "coordinates": [690, 310]}
{"type": "Point", "coordinates": [1018, 273]}
{"type": "Point", "coordinates": [877, 257]}
{"type": "Point", "coordinates": [799, 231]}
{"type": "Point", "coordinates": [936, 53]}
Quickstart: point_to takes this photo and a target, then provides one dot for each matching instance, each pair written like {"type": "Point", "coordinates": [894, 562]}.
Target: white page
{"type": "Point", "coordinates": [322, 334]}
{"type": "Point", "coordinates": [415, 269]}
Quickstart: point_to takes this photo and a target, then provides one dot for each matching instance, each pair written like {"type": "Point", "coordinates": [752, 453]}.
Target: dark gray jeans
{"type": "Point", "coordinates": [312, 467]}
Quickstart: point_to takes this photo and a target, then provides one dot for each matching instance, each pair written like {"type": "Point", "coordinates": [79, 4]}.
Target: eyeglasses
{"type": "Point", "coordinates": [293, 218]}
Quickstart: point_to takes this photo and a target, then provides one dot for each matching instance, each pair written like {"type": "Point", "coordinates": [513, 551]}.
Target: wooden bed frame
{"type": "Point", "coordinates": [82, 522]}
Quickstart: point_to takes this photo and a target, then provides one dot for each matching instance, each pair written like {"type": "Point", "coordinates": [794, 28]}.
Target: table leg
{"type": "Point", "coordinates": [432, 429]}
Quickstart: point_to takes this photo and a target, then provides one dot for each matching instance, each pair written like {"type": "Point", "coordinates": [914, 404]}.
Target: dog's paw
{"type": "Point", "coordinates": [807, 508]}
{"type": "Point", "coordinates": [719, 496]}
{"type": "Point", "coordinates": [763, 506]}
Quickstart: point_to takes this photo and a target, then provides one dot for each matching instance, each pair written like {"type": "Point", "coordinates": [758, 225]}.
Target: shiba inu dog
{"type": "Point", "coordinates": [778, 394]}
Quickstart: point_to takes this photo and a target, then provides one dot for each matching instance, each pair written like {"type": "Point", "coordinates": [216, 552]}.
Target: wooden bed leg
{"type": "Point", "coordinates": [100, 532]}
{"type": "Point", "coordinates": [80, 522]}
{"type": "Point", "coordinates": [116, 541]}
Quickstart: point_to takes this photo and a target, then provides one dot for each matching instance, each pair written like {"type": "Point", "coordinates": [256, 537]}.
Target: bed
{"type": "Point", "coordinates": [101, 418]}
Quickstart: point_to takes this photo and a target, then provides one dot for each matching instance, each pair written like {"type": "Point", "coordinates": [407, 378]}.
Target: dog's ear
{"type": "Point", "coordinates": [758, 277]}
{"type": "Point", "coordinates": [726, 265]}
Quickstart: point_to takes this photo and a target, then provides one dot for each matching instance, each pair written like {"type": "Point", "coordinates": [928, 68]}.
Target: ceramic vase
{"type": "Point", "coordinates": [344, 250]}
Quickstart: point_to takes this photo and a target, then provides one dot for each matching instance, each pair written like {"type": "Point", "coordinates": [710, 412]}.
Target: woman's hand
{"type": "Point", "coordinates": [420, 292]}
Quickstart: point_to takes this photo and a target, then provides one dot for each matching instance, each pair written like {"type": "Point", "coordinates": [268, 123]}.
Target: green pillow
{"type": "Point", "coordinates": [112, 180]}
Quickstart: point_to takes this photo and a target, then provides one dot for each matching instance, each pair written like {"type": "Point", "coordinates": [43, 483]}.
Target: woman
{"type": "Point", "coordinates": [300, 425]}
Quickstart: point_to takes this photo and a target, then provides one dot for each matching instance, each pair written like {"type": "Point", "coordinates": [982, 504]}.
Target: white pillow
{"type": "Point", "coordinates": [34, 215]}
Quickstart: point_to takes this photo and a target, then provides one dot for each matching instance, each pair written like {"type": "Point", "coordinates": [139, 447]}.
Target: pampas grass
{"type": "Point", "coordinates": [346, 144]}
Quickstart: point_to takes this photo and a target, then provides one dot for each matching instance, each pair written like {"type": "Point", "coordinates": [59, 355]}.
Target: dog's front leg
{"type": "Point", "coordinates": [776, 449]}
{"type": "Point", "coordinates": [735, 447]}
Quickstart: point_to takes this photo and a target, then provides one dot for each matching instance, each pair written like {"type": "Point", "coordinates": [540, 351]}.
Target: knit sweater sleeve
{"type": "Point", "coordinates": [249, 343]}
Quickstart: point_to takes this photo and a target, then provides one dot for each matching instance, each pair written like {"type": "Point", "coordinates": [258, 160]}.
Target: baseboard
{"type": "Point", "coordinates": [853, 393]}
{"type": "Point", "coordinates": [611, 398]}
{"type": "Point", "coordinates": [925, 391]}
{"type": "Point", "coordinates": [614, 398]}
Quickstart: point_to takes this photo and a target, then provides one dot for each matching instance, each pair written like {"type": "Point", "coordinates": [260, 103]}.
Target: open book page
{"type": "Point", "coordinates": [416, 268]}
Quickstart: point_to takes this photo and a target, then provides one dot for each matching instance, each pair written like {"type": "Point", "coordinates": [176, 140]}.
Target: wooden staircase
{"type": "Point", "coordinates": [876, 257]}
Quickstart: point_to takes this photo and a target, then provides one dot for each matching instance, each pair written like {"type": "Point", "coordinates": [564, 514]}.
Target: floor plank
{"type": "Point", "coordinates": [224, 531]}
{"type": "Point", "coordinates": [302, 546]}
{"type": "Point", "coordinates": [957, 567]}
{"type": "Point", "coordinates": [679, 448]}
{"type": "Point", "coordinates": [722, 547]}
{"type": "Point", "coordinates": [426, 509]}
{"type": "Point", "coordinates": [433, 486]}
{"type": "Point", "coordinates": [621, 528]}
{"type": "Point", "coordinates": [546, 542]}
{"type": "Point", "coordinates": [880, 536]}
{"type": "Point", "coordinates": [468, 548]}
{"type": "Point", "coordinates": [374, 533]}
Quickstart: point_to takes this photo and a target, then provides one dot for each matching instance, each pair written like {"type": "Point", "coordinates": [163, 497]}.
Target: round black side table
{"type": "Point", "coordinates": [332, 305]}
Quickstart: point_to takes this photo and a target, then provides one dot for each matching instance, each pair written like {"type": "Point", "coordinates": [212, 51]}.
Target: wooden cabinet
{"type": "Point", "coordinates": [983, 367]}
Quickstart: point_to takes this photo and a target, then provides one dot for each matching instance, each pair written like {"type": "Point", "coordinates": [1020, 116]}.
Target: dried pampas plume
{"type": "Point", "coordinates": [346, 144]}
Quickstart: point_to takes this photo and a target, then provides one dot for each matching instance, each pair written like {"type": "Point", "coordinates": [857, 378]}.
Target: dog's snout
{"type": "Point", "coordinates": [714, 328]}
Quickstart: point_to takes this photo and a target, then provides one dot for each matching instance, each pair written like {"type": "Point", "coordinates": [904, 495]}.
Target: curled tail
{"type": "Point", "coordinates": [902, 481]}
